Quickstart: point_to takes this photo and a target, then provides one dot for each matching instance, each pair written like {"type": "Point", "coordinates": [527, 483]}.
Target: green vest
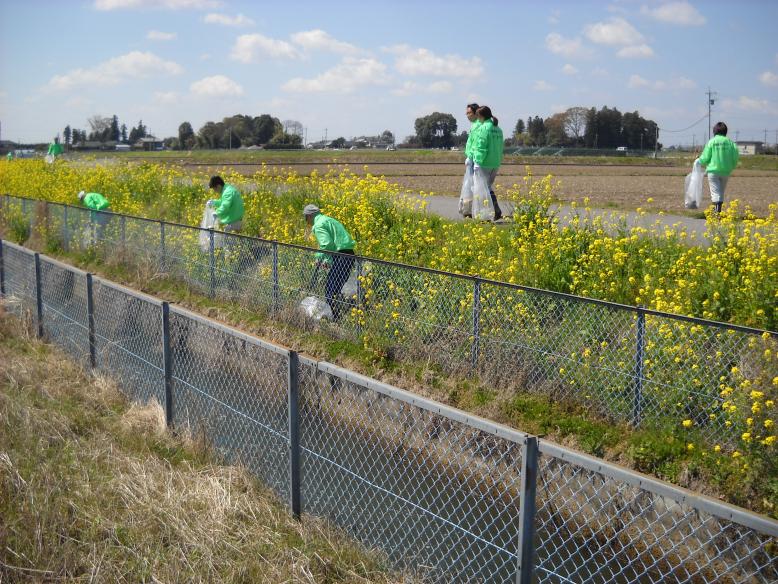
{"type": "Point", "coordinates": [719, 156]}
{"type": "Point", "coordinates": [95, 201]}
{"type": "Point", "coordinates": [488, 145]}
{"type": "Point", "coordinates": [331, 235]}
{"type": "Point", "coordinates": [229, 207]}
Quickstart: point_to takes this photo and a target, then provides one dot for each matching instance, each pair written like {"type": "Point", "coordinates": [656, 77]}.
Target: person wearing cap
{"type": "Point", "coordinates": [331, 237]}
{"type": "Point", "coordinates": [55, 148]}
{"type": "Point", "coordinates": [228, 208]}
{"type": "Point", "coordinates": [97, 203]}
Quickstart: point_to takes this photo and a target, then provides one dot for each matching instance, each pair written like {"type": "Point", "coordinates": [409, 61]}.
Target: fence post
{"type": "Point", "coordinates": [211, 265]}
{"type": "Point", "coordinates": [359, 296]}
{"type": "Point", "coordinates": [294, 434]}
{"type": "Point", "coordinates": [167, 362]}
{"type": "Point", "coordinates": [476, 322]}
{"type": "Point", "coordinates": [124, 232]}
{"type": "Point", "coordinates": [2, 271]}
{"type": "Point", "coordinates": [529, 479]}
{"type": "Point", "coordinates": [276, 290]}
{"type": "Point", "coordinates": [65, 230]}
{"type": "Point", "coordinates": [90, 317]}
{"type": "Point", "coordinates": [637, 405]}
{"type": "Point", "coordinates": [38, 296]}
{"type": "Point", "coordinates": [162, 250]}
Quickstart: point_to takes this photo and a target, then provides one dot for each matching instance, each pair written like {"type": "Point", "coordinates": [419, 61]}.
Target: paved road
{"type": "Point", "coordinates": [448, 207]}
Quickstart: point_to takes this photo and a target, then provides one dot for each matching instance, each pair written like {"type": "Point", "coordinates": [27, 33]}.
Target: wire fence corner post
{"type": "Point", "coordinates": [65, 230]}
{"type": "Point", "coordinates": [38, 297]}
{"type": "Point", "coordinates": [211, 264]}
{"type": "Point", "coordinates": [2, 271]}
{"type": "Point", "coordinates": [358, 299]}
{"type": "Point", "coordinates": [293, 388]}
{"type": "Point", "coordinates": [162, 250]}
{"type": "Point", "coordinates": [167, 362]}
{"type": "Point", "coordinates": [637, 402]}
{"type": "Point", "coordinates": [476, 323]}
{"type": "Point", "coordinates": [527, 510]}
{"type": "Point", "coordinates": [276, 290]}
{"type": "Point", "coordinates": [90, 317]}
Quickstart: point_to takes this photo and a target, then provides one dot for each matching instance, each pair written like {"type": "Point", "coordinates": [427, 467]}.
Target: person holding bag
{"type": "Point", "coordinates": [466, 194]}
{"type": "Point", "coordinates": [487, 154]}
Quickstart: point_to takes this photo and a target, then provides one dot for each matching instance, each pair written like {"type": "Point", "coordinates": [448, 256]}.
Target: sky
{"type": "Point", "coordinates": [351, 68]}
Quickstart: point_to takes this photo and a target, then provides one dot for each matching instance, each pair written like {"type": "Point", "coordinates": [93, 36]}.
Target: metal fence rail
{"type": "Point", "coordinates": [627, 364]}
{"type": "Point", "coordinates": [447, 496]}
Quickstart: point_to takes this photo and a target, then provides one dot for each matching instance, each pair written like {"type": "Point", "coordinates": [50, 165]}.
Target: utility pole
{"type": "Point", "coordinates": [656, 142]}
{"type": "Point", "coordinates": [737, 135]}
{"type": "Point", "coordinates": [711, 101]}
{"type": "Point", "coordinates": [694, 145]}
{"type": "Point", "coordinates": [305, 140]}
{"type": "Point", "coordinates": [230, 134]}
{"type": "Point", "coordinates": [765, 137]}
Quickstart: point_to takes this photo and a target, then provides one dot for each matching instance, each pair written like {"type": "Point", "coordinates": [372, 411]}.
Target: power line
{"type": "Point", "coordinates": [685, 129]}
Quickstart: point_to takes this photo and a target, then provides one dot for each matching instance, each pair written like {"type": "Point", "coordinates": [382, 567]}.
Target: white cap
{"type": "Point", "coordinates": [311, 210]}
{"type": "Point", "coordinates": [81, 195]}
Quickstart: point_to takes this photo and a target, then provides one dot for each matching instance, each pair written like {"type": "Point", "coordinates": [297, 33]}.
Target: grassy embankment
{"type": "Point", "coordinates": [94, 488]}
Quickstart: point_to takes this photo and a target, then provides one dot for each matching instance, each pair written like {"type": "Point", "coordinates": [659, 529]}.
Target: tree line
{"type": "Point", "coordinates": [577, 127]}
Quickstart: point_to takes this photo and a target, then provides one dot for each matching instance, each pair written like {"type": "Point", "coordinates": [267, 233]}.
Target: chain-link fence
{"type": "Point", "coordinates": [622, 363]}
{"type": "Point", "coordinates": [446, 496]}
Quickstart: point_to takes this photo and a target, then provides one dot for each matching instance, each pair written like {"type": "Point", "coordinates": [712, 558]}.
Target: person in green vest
{"type": "Point", "coordinates": [720, 157]}
{"type": "Point", "coordinates": [10, 155]}
{"type": "Point", "coordinates": [55, 148]}
{"type": "Point", "coordinates": [228, 208]}
{"type": "Point", "coordinates": [331, 236]}
{"type": "Point", "coordinates": [97, 203]}
{"type": "Point", "coordinates": [487, 150]}
{"type": "Point", "coordinates": [466, 199]}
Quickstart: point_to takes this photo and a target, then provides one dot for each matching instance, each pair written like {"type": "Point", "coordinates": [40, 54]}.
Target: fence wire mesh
{"type": "Point", "coordinates": [232, 391]}
{"type": "Point", "coordinates": [441, 498]}
{"type": "Point", "coordinates": [437, 491]}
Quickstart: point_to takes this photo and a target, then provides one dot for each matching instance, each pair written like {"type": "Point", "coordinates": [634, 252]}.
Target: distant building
{"type": "Point", "coordinates": [122, 147]}
{"type": "Point", "coordinates": [148, 143]}
{"type": "Point", "coordinates": [748, 147]}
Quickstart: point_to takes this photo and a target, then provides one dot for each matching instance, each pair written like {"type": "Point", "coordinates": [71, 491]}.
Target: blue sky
{"type": "Point", "coordinates": [354, 68]}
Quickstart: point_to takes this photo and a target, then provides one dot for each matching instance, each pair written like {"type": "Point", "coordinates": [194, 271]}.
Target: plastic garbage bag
{"type": "Point", "coordinates": [316, 308]}
{"type": "Point", "coordinates": [49, 159]}
{"type": "Point", "coordinates": [350, 288]}
{"type": "Point", "coordinates": [209, 222]}
{"type": "Point", "coordinates": [482, 198]}
{"type": "Point", "coordinates": [693, 193]}
{"type": "Point", "coordinates": [466, 194]}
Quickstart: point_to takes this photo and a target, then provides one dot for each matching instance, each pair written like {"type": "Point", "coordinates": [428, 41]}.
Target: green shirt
{"type": "Point", "coordinates": [55, 149]}
{"type": "Point", "coordinates": [95, 201]}
{"type": "Point", "coordinates": [471, 140]}
{"type": "Point", "coordinates": [488, 145]}
{"type": "Point", "coordinates": [331, 235]}
{"type": "Point", "coordinates": [720, 156]}
{"type": "Point", "coordinates": [10, 156]}
{"type": "Point", "coordinates": [229, 207]}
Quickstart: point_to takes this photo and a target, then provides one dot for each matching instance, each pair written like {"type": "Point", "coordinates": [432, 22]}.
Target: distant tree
{"type": "Point", "coordinates": [590, 133]}
{"type": "Point", "coordinates": [101, 128]}
{"type": "Point", "coordinates": [555, 130]}
{"type": "Point", "coordinates": [575, 123]}
{"type": "Point", "coordinates": [520, 127]}
{"type": "Point", "coordinates": [115, 131]}
{"type": "Point", "coordinates": [124, 133]}
{"type": "Point", "coordinates": [186, 136]}
{"type": "Point", "coordinates": [338, 142]}
{"type": "Point", "coordinates": [293, 127]}
{"type": "Point", "coordinates": [387, 137]}
{"type": "Point", "coordinates": [537, 131]}
{"type": "Point", "coordinates": [67, 134]}
{"type": "Point", "coordinates": [436, 130]}
{"type": "Point", "coordinates": [210, 136]}
{"type": "Point", "coordinates": [264, 128]}
{"type": "Point", "coordinates": [171, 143]}
{"type": "Point", "coordinates": [286, 139]}
{"type": "Point", "coordinates": [138, 132]}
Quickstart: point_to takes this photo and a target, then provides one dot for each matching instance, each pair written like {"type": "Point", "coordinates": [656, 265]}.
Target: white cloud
{"type": "Point", "coordinates": [319, 40]}
{"type": "Point", "coordinates": [225, 20]}
{"type": "Point", "coordinates": [751, 104]}
{"type": "Point", "coordinates": [572, 48]}
{"type": "Point", "coordinates": [440, 87]}
{"type": "Point", "coordinates": [410, 61]}
{"type": "Point", "coordinates": [569, 69]}
{"type": "Point", "coordinates": [554, 17]}
{"type": "Point", "coordinates": [78, 101]}
{"type": "Point", "coordinates": [636, 52]}
{"type": "Point", "coordinates": [600, 72]}
{"type": "Point", "coordinates": [541, 85]}
{"type": "Point", "coordinates": [769, 78]}
{"type": "Point", "coordinates": [686, 83]}
{"type": "Point", "coordinates": [615, 32]}
{"type": "Point", "coordinates": [134, 65]}
{"type": "Point", "coordinates": [249, 47]}
{"type": "Point", "coordinates": [158, 35]}
{"type": "Point", "coordinates": [636, 81]}
{"type": "Point", "coordinates": [681, 13]}
{"type": "Point", "coordinates": [166, 97]}
{"type": "Point", "coordinates": [216, 86]}
{"type": "Point", "coordinates": [413, 88]}
{"type": "Point", "coordinates": [348, 75]}
{"type": "Point", "coordinates": [106, 5]}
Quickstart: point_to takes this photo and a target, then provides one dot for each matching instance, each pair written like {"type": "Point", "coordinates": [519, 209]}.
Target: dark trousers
{"type": "Point", "coordinates": [339, 272]}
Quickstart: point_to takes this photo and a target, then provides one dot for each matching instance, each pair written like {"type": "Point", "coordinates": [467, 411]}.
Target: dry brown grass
{"type": "Point", "coordinates": [95, 489]}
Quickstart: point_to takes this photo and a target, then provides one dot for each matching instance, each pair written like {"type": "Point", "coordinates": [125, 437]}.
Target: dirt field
{"type": "Point", "coordinates": [608, 186]}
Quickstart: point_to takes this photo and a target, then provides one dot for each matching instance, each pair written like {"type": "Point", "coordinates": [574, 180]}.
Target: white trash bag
{"type": "Point", "coordinates": [482, 199]}
{"type": "Point", "coordinates": [316, 308]}
{"type": "Point", "coordinates": [351, 286]}
{"type": "Point", "coordinates": [693, 193]}
{"type": "Point", "coordinates": [49, 159]}
{"type": "Point", "coordinates": [209, 222]}
{"type": "Point", "coordinates": [466, 194]}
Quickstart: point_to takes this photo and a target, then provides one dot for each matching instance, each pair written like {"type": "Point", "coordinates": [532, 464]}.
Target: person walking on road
{"type": "Point", "coordinates": [466, 198]}
{"type": "Point", "coordinates": [487, 151]}
{"type": "Point", "coordinates": [97, 203]}
{"type": "Point", "coordinates": [331, 237]}
{"type": "Point", "coordinates": [228, 208]}
{"type": "Point", "coordinates": [719, 158]}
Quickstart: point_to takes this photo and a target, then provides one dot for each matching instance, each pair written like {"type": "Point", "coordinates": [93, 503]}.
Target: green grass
{"type": "Point", "coordinates": [94, 488]}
